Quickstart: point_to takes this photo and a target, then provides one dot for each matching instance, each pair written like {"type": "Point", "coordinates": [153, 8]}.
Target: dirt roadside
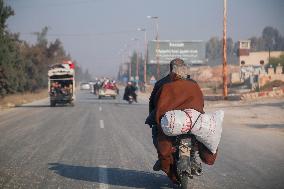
{"type": "Point", "coordinates": [11, 101]}
{"type": "Point", "coordinates": [24, 98]}
{"type": "Point", "coordinates": [216, 102]}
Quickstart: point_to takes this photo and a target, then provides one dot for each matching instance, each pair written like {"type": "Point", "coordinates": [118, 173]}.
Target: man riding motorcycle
{"type": "Point", "coordinates": [174, 92]}
{"type": "Point", "coordinates": [130, 92]}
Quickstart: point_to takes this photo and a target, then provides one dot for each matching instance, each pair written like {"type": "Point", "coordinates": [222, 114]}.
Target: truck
{"type": "Point", "coordinates": [108, 89]}
{"type": "Point", "coordinates": [107, 93]}
{"type": "Point", "coordinates": [61, 84]}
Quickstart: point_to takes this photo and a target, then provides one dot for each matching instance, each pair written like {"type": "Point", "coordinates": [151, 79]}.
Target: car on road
{"type": "Point", "coordinates": [85, 86]}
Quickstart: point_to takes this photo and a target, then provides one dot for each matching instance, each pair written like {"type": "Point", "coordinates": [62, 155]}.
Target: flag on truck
{"type": "Point", "coordinates": [70, 63]}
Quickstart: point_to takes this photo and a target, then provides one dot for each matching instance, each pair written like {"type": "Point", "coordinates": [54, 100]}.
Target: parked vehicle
{"type": "Point", "coordinates": [61, 84]}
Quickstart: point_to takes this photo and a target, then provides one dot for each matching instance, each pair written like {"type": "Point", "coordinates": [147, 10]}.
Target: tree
{"type": "Point", "coordinates": [41, 37]}
{"type": "Point", "coordinates": [5, 13]}
{"type": "Point", "coordinates": [6, 56]}
{"type": "Point", "coordinates": [270, 37]}
{"type": "Point", "coordinates": [24, 67]}
{"type": "Point", "coordinates": [276, 61]}
{"type": "Point", "coordinates": [56, 52]}
{"type": "Point", "coordinates": [213, 48]}
{"type": "Point", "coordinates": [78, 72]}
{"type": "Point", "coordinates": [133, 62]}
{"type": "Point", "coordinates": [87, 76]}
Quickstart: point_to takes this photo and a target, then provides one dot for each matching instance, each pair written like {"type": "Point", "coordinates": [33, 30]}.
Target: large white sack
{"type": "Point", "coordinates": [206, 127]}
{"type": "Point", "coordinates": [177, 122]}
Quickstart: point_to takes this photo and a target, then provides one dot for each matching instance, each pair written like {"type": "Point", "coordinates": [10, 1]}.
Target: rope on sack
{"type": "Point", "coordinates": [191, 119]}
{"type": "Point", "coordinates": [187, 127]}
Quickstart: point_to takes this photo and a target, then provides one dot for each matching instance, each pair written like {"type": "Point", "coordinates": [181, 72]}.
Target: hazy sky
{"type": "Point", "coordinates": [95, 31]}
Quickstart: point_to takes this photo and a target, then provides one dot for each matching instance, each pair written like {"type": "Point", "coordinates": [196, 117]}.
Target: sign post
{"type": "Point", "coordinates": [192, 52]}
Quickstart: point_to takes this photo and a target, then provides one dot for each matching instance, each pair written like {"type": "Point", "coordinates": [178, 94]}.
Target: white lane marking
{"type": "Point", "coordinates": [100, 108]}
{"type": "Point", "coordinates": [103, 180]}
{"type": "Point", "coordinates": [102, 125]}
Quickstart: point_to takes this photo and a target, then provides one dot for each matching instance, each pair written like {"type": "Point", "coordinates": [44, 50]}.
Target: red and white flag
{"type": "Point", "coordinates": [70, 63]}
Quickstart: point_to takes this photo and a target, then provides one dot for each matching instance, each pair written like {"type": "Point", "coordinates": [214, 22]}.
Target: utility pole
{"type": "Point", "coordinates": [137, 59]}
{"type": "Point", "coordinates": [137, 66]}
{"type": "Point", "coordinates": [269, 55]}
{"type": "Point", "coordinates": [157, 45]}
{"type": "Point", "coordinates": [157, 51]}
{"type": "Point", "coordinates": [130, 66]}
{"type": "Point", "coordinates": [225, 89]}
{"type": "Point", "coordinates": [145, 58]}
{"type": "Point", "coordinates": [129, 77]}
{"type": "Point", "coordinates": [145, 52]}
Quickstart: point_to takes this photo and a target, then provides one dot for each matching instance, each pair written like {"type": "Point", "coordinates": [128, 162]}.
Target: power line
{"type": "Point", "coordinates": [83, 34]}
{"type": "Point", "coordinates": [57, 4]}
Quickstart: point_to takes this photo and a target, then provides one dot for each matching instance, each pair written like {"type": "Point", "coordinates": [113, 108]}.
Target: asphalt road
{"type": "Point", "coordinates": [105, 144]}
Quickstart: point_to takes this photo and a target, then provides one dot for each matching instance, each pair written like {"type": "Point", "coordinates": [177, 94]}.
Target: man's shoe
{"type": "Point", "coordinates": [157, 166]}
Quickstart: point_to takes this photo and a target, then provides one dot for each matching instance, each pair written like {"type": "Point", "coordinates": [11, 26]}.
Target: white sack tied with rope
{"type": "Point", "coordinates": [207, 127]}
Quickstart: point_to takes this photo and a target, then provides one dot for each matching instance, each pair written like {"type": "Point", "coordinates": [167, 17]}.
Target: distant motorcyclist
{"type": "Point", "coordinates": [98, 86]}
{"type": "Point", "coordinates": [130, 90]}
{"type": "Point", "coordinates": [115, 86]}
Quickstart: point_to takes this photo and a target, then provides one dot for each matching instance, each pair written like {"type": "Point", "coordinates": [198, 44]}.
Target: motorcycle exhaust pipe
{"type": "Point", "coordinates": [197, 169]}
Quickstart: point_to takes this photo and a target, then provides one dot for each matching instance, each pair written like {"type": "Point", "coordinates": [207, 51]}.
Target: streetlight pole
{"type": "Point", "coordinates": [137, 59]}
{"type": "Point", "coordinates": [121, 53]}
{"type": "Point", "coordinates": [130, 66]}
{"type": "Point", "coordinates": [145, 53]}
{"type": "Point", "coordinates": [127, 50]}
{"type": "Point", "coordinates": [225, 89]}
{"type": "Point", "coordinates": [157, 45]}
{"type": "Point", "coordinates": [130, 69]}
{"type": "Point", "coordinates": [137, 66]}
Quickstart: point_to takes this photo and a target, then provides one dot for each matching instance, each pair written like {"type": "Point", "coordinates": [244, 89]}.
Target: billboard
{"type": "Point", "coordinates": [192, 52]}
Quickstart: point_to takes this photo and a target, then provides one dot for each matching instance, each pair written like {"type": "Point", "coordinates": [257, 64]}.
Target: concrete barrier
{"type": "Point", "coordinates": [276, 92]}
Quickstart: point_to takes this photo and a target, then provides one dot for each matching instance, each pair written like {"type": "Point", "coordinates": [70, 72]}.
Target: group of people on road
{"type": "Point", "coordinates": [58, 88]}
{"type": "Point", "coordinates": [108, 84]}
{"type": "Point", "coordinates": [105, 84]}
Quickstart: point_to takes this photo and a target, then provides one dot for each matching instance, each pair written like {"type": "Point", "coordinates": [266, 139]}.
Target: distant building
{"type": "Point", "coordinates": [252, 66]}
{"type": "Point", "coordinates": [247, 58]}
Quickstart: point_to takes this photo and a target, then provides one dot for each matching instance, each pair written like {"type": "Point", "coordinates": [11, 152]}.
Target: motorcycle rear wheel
{"type": "Point", "coordinates": [185, 182]}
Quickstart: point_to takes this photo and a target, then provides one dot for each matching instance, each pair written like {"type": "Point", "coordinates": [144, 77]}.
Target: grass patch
{"type": "Point", "coordinates": [13, 100]}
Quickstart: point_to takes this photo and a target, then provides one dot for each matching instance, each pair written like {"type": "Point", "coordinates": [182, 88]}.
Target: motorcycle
{"type": "Point", "coordinates": [184, 156]}
{"type": "Point", "coordinates": [130, 99]}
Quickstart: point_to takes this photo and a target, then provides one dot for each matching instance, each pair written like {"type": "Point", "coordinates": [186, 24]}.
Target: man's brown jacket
{"type": "Point", "coordinates": [179, 94]}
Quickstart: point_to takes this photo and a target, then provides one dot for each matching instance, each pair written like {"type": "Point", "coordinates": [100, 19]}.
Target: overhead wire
{"type": "Point", "coordinates": [56, 4]}
{"type": "Point", "coordinates": [122, 32]}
